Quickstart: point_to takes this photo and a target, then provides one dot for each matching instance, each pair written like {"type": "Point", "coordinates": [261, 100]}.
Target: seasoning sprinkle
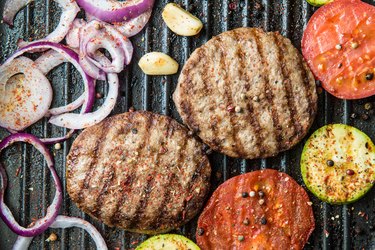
{"type": "Point", "coordinates": [263, 221]}
{"type": "Point", "coordinates": [200, 231]}
{"type": "Point", "coordinates": [252, 194]}
{"type": "Point", "coordinates": [241, 238]}
{"type": "Point", "coordinates": [261, 194]}
{"type": "Point", "coordinates": [134, 131]}
{"type": "Point", "coordinates": [338, 46]}
{"type": "Point", "coordinates": [330, 163]}
{"type": "Point", "coordinates": [245, 194]}
{"type": "Point", "coordinates": [238, 109]}
{"type": "Point", "coordinates": [368, 106]}
{"type": "Point", "coordinates": [246, 222]}
{"type": "Point", "coordinates": [261, 201]}
{"type": "Point", "coordinates": [354, 45]}
{"type": "Point", "coordinates": [349, 172]}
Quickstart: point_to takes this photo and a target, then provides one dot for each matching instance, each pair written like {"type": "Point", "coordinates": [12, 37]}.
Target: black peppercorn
{"type": "Point", "coordinates": [200, 231]}
{"type": "Point", "coordinates": [245, 194]}
{"type": "Point", "coordinates": [350, 172]}
{"type": "Point", "coordinates": [261, 194]}
{"type": "Point", "coordinates": [263, 221]}
{"type": "Point", "coordinates": [330, 163]}
{"type": "Point", "coordinates": [134, 131]}
{"type": "Point", "coordinates": [369, 76]}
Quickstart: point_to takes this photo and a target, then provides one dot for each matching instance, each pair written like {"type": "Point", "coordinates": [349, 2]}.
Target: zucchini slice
{"type": "Point", "coordinates": [168, 242]}
{"type": "Point", "coordinates": [338, 164]}
{"type": "Point", "coordinates": [318, 3]}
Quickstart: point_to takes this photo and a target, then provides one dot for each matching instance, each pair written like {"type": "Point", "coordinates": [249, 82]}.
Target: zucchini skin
{"type": "Point", "coordinates": [179, 241]}
{"type": "Point", "coordinates": [318, 3]}
{"type": "Point", "coordinates": [304, 171]}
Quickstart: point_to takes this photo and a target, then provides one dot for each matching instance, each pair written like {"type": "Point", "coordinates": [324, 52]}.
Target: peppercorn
{"type": "Point", "coordinates": [354, 45]}
{"type": "Point", "coordinates": [349, 172]}
{"type": "Point", "coordinates": [261, 201]}
{"type": "Point", "coordinates": [368, 106]}
{"type": "Point", "coordinates": [231, 108]}
{"type": "Point", "coordinates": [261, 194]}
{"type": "Point", "coordinates": [134, 131]}
{"type": "Point", "coordinates": [246, 222]}
{"type": "Point", "coordinates": [338, 46]}
{"type": "Point", "coordinates": [364, 117]}
{"type": "Point", "coordinates": [241, 238]}
{"type": "Point", "coordinates": [238, 109]}
{"type": "Point", "coordinates": [252, 194]}
{"type": "Point", "coordinates": [245, 194]}
{"type": "Point", "coordinates": [354, 116]}
{"type": "Point", "coordinates": [330, 163]}
{"type": "Point", "coordinates": [369, 76]}
{"type": "Point", "coordinates": [57, 146]}
{"type": "Point", "coordinates": [340, 65]}
{"type": "Point", "coordinates": [263, 221]}
{"type": "Point", "coordinates": [200, 231]}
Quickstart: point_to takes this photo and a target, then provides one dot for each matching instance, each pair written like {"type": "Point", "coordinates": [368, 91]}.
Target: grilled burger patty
{"type": "Point", "coordinates": [247, 93]}
{"type": "Point", "coordinates": [138, 171]}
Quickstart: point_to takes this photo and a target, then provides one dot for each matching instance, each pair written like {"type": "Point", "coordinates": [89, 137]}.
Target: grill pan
{"type": "Point", "coordinates": [30, 190]}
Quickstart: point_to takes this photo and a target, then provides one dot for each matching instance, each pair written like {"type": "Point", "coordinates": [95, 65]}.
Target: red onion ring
{"type": "Point", "coordinates": [23, 102]}
{"type": "Point", "coordinates": [45, 63]}
{"type": "Point", "coordinates": [71, 57]}
{"type": "Point", "coordinates": [11, 8]}
{"type": "Point", "coordinates": [134, 26]}
{"type": "Point", "coordinates": [80, 121]}
{"type": "Point", "coordinates": [61, 221]}
{"type": "Point", "coordinates": [96, 35]}
{"type": "Point", "coordinates": [128, 28]}
{"type": "Point", "coordinates": [114, 11]}
{"type": "Point", "coordinates": [42, 224]}
{"type": "Point", "coordinates": [72, 38]}
{"type": "Point", "coordinates": [69, 11]}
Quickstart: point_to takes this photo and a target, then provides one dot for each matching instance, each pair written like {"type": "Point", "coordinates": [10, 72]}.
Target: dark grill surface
{"type": "Point", "coordinates": [29, 193]}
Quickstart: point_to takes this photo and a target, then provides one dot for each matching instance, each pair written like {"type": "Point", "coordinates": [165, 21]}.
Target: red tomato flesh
{"type": "Point", "coordinates": [280, 218]}
{"type": "Point", "coordinates": [339, 46]}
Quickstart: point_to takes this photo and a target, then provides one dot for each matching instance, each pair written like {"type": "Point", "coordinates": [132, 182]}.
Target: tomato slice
{"type": "Point", "coordinates": [264, 209]}
{"type": "Point", "coordinates": [339, 46]}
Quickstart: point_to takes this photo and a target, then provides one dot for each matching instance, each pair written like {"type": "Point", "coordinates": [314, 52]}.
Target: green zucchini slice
{"type": "Point", "coordinates": [168, 242]}
{"type": "Point", "coordinates": [318, 3]}
{"type": "Point", "coordinates": [338, 164]}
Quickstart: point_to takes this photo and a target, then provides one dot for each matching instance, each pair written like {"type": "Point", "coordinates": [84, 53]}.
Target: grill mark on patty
{"type": "Point", "coordinates": [292, 106]}
{"type": "Point", "coordinates": [249, 107]}
{"type": "Point", "coordinates": [148, 187]}
{"type": "Point", "coordinates": [167, 195]}
{"type": "Point", "coordinates": [93, 163]}
{"type": "Point", "coordinates": [267, 88]}
{"type": "Point", "coordinates": [227, 94]}
{"type": "Point", "coordinates": [306, 83]}
{"type": "Point", "coordinates": [108, 183]}
{"type": "Point", "coordinates": [133, 174]}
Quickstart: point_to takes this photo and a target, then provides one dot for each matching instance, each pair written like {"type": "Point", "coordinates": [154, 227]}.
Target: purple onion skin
{"type": "Point", "coordinates": [42, 224]}
{"type": "Point", "coordinates": [126, 13]}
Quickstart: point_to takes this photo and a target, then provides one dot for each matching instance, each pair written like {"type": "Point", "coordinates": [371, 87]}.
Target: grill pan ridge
{"type": "Point", "coordinates": [30, 192]}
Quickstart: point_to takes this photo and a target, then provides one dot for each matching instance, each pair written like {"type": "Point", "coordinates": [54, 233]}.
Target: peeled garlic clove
{"type": "Point", "coordinates": [157, 63]}
{"type": "Point", "coordinates": [180, 21]}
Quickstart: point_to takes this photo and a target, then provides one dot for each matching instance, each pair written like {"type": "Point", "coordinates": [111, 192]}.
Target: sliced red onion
{"type": "Point", "coordinates": [70, 10]}
{"type": "Point", "coordinates": [134, 26]}
{"type": "Point", "coordinates": [96, 35]}
{"type": "Point", "coordinates": [128, 28]}
{"type": "Point", "coordinates": [61, 221]}
{"type": "Point", "coordinates": [115, 11]}
{"type": "Point", "coordinates": [80, 121]}
{"type": "Point", "coordinates": [72, 38]}
{"type": "Point", "coordinates": [48, 61]}
{"type": "Point", "coordinates": [11, 8]}
{"type": "Point", "coordinates": [42, 224]}
{"type": "Point", "coordinates": [71, 57]}
{"type": "Point", "coordinates": [23, 101]}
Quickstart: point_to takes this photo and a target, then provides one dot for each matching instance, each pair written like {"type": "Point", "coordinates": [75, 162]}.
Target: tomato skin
{"type": "Point", "coordinates": [339, 46]}
{"type": "Point", "coordinates": [289, 216]}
